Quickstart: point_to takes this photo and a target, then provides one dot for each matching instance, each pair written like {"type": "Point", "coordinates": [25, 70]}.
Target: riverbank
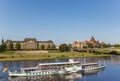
{"type": "Point", "coordinates": [11, 56]}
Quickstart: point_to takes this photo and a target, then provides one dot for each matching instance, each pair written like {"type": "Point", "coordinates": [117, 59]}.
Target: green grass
{"type": "Point", "coordinates": [108, 50]}
{"type": "Point", "coordinates": [11, 56]}
{"type": "Point", "coordinates": [53, 51]}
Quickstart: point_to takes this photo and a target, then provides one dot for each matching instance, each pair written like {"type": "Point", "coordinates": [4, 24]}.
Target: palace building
{"type": "Point", "coordinates": [92, 43]}
{"type": "Point", "coordinates": [30, 44]}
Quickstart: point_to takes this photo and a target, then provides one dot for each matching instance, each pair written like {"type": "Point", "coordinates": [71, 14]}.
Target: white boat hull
{"type": "Point", "coordinates": [14, 74]}
{"type": "Point", "coordinates": [94, 68]}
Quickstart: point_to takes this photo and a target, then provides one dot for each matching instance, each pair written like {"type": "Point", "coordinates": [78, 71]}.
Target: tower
{"type": "Point", "coordinates": [92, 39]}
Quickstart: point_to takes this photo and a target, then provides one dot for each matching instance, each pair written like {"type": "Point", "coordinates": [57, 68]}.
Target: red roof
{"type": "Point", "coordinates": [102, 43]}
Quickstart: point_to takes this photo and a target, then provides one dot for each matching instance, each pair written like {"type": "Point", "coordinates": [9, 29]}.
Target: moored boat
{"type": "Point", "coordinates": [87, 67]}
{"type": "Point", "coordinates": [49, 68]}
{"type": "Point", "coordinates": [57, 68]}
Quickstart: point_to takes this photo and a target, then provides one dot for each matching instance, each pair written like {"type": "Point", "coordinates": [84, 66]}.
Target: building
{"type": "Point", "coordinates": [31, 44]}
{"type": "Point", "coordinates": [92, 43]}
{"type": "Point", "coordinates": [57, 46]}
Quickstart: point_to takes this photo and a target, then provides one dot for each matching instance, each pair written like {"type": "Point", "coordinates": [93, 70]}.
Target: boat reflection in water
{"type": "Point", "coordinates": [40, 78]}
{"type": "Point", "coordinates": [73, 76]}
{"type": "Point", "coordinates": [56, 77]}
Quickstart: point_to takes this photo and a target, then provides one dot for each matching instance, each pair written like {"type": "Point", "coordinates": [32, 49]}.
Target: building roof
{"type": "Point", "coordinates": [75, 42]}
{"type": "Point", "coordinates": [8, 41]}
{"type": "Point", "coordinates": [45, 41]}
{"type": "Point", "coordinates": [91, 41]}
{"type": "Point", "coordinates": [17, 41]}
{"type": "Point", "coordinates": [30, 39]}
{"type": "Point", "coordinates": [102, 43]}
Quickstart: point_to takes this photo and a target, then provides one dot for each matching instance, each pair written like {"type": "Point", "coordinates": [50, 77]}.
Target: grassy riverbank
{"type": "Point", "coordinates": [11, 56]}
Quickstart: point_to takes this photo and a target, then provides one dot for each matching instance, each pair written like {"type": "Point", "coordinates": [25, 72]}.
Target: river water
{"type": "Point", "coordinates": [110, 73]}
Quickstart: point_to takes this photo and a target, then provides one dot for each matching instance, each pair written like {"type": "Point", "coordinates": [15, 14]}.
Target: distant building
{"type": "Point", "coordinates": [30, 44]}
{"type": "Point", "coordinates": [92, 43]}
{"type": "Point", "coordinates": [57, 46]}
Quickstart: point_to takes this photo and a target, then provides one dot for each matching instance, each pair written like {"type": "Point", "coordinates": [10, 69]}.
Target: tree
{"type": "Point", "coordinates": [53, 47]}
{"type": "Point", "coordinates": [3, 47]}
{"type": "Point", "coordinates": [109, 45]}
{"type": "Point", "coordinates": [84, 47]}
{"type": "Point", "coordinates": [63, 48]}
{"type": "Point", "coordinates": [48, 47]}
{"type": "Point", "coordinates": [113, 52]}
{"type": "Point", "coordinates": [90, 46]}
{"type": "Point", "coordinates": [116, 45]}
{"type": "Point", "coordinates": [11, 46]}
{"type": "Point", "coordinates": [104, 46]}
{"type": "Point", "coordinates": [42, 47]}
{"type": "Point", "coordinates": [70, 47]}
{"type": "Point", "coordinates": [18, 46]}
{"type": "Point", "coordinates": [38, 46]}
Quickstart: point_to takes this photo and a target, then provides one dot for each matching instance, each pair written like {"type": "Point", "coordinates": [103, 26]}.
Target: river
{"type": "Point", "coordinates": [110, 73]}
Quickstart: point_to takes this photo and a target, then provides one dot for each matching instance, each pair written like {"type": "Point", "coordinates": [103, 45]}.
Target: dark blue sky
{"type": "Point", "coordinates": [62, 21]}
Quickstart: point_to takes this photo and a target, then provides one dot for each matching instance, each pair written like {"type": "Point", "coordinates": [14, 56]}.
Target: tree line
{"type": "Point", "coordinates": [65, 47]}
{"type": "Point", "coordinates": [11, 47]}
{"type": "Point", "coordinates": [62, 48]}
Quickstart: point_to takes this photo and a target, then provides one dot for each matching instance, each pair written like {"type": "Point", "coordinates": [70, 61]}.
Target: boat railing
{"type": "Point", "coordinates": [14, 72]}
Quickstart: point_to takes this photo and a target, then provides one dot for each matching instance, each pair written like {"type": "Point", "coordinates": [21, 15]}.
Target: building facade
{"type": "Point", "coordinates": [92, 43]}
{"type": "Point", "coordinates": [30, 44]}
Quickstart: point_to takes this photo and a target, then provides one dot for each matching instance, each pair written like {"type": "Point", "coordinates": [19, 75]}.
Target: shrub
{"type": "Point", "coordinates": [113, 52]}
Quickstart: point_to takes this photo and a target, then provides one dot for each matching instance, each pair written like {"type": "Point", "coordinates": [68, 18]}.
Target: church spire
{"type": "Point", "coordinates": [92, 39]}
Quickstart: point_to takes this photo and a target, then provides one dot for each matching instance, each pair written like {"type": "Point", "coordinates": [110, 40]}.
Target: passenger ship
{"type": "Point", "coordinates": [88, 67]}
{"type": "Point", "coordinates": [58, 68]}
{"type": "Point", "coordinates": [49, 68]}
